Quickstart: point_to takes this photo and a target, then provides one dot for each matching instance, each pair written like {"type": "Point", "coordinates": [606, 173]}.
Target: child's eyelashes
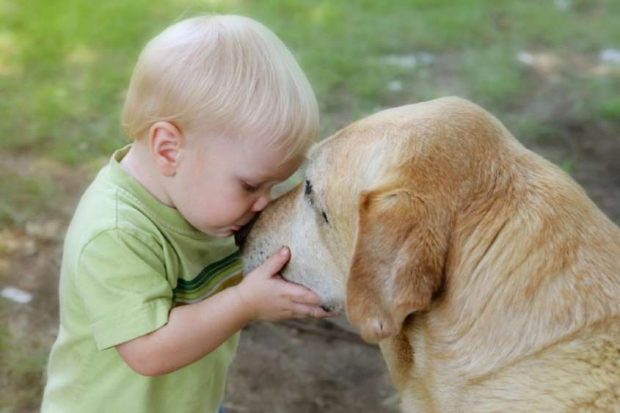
{"type": "Point", "coordinates": [249, 187]}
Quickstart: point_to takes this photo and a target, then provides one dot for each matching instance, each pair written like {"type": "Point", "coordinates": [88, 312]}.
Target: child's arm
{"type": "Point", "coordinates": [194, 330]}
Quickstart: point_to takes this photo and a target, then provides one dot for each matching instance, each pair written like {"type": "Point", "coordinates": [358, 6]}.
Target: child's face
{"type": "Point", "coordinates": [221, 184]}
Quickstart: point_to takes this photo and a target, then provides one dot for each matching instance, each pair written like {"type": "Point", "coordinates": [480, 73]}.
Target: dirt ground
{"type": "Point", "coordinates": [308, 367]}
{"type": "Point", "coordinates": [288, 367]}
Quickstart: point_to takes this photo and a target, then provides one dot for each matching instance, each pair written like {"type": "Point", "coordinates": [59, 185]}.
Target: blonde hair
{"type": "Point", "coordinates": [223, 73]}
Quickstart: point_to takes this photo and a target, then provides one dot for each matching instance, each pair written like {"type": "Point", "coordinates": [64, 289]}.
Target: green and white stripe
{"type": "Point", "coordinates": [212, 279]}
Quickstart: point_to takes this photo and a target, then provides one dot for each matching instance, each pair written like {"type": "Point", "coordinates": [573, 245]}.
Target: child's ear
{"type": "Point", "coordinates": [165, 144]}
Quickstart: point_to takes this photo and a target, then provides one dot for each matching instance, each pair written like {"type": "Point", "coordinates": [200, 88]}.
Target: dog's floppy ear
{"type": "Point", "coordinates": [398, 260]}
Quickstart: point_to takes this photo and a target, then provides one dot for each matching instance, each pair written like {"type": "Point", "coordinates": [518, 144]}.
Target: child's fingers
{"type": "Point", "coordinates": [301, 295]}
{"type": "Point", "coordinates": [275, 263]}
{"type": "Point", "coordinates": [297, 292]}
{"type": "Point", "coordinates": [305, 311]}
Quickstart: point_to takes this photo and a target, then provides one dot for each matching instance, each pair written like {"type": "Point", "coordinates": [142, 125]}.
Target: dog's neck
{"type": "Point", "coordinates": [508, 259]}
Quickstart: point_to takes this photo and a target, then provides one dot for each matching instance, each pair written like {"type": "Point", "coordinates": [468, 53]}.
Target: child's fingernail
{"type": "Point", "coordinates": [283, 251]}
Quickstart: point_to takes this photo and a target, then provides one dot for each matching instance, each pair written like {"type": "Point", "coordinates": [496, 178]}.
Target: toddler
{"type": "Point", "coordinates": [151, 296]}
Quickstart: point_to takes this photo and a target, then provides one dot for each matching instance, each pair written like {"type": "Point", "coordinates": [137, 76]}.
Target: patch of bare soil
{"type": "Point", "coordinates": [307, 367]}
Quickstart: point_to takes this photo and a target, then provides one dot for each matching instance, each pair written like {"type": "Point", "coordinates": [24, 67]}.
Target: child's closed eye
{"type": "Point", "coordinates": [249, 187]}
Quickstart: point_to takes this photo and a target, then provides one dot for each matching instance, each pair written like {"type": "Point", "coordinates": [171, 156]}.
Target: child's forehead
{"type": "Point", "coordinates": [259, 145]}
{"type": "Point", "coordinates": [267, 163]}
{"type": "Point", "coordinates": [253, 155]}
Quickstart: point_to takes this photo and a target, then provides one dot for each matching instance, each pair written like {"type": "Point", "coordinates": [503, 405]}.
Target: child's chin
{"type": "Point", "coordinates": [225, 233]}
{"type": "Point", "coordinates": [219, 233]}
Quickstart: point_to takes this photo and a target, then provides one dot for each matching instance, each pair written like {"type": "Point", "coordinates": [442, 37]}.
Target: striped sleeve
{"type": "Point", "coordinates": [211, 280]}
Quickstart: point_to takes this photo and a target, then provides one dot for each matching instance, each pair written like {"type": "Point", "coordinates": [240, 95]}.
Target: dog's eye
{"type": "Point", "coordinates": [308, 192]}
{"type": "Point", "coordinates": [324, 215]}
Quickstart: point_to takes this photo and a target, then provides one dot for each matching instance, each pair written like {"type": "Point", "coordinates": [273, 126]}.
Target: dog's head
{"type": "Point", "coordinates": [369, 228]}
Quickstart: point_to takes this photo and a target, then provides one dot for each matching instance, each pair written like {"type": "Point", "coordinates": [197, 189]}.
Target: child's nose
{"type": "Point", "coordinates": [261, 203]}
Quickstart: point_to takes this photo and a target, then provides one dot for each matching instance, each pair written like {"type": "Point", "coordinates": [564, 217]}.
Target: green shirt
{"type": "Point", "coordinates": [127, 260]}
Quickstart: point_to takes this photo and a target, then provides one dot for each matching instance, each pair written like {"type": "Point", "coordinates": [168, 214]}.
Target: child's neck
{"type": "Point", "coordinates": [139, 165]}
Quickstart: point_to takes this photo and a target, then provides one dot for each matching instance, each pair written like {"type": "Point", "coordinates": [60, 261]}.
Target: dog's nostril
{"type": "Point", "coordinates": [326, 308]}
{"type": "Point", "coordinates": [242, 234]}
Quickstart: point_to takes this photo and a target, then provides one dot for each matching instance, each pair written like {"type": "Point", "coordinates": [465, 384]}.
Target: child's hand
{"type": "Point", "coordinates": [267, 296]}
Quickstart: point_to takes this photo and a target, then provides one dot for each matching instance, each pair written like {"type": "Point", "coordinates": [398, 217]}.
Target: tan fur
{"type": "Point", "coordinates": [488, 277]}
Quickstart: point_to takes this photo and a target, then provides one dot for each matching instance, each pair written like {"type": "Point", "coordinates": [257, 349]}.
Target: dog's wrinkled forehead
{"type": "Point", "coordinates": [331, 158]}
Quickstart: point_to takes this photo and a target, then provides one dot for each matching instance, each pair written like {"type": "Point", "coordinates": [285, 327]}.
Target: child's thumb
{"type": "Point", "coordinates": [275, 263]}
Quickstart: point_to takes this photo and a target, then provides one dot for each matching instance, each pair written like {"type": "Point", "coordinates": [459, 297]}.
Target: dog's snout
{"type": "Point", "coordinates": [242, 234]}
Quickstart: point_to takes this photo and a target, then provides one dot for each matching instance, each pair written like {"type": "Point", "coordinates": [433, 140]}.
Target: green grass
{"type": "Point", "coordinates": [610, 108]}
{"type": "Point", "coordinates": [64, 65]}
{"type": "Point", "coordinates": [22, 360]}
{"type": "Point", "coordinates": [27, 192]}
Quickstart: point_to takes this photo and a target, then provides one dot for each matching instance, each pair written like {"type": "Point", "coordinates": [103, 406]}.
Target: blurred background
{"type": "Point", "coordinates": [549, 69]}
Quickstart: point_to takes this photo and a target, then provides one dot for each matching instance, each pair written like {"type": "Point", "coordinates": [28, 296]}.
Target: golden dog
{"type": "Point", "coordinates": [488, 277]}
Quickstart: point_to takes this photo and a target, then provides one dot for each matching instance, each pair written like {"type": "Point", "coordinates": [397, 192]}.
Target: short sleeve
{"type": "Point", "coordinates": [121, 279]}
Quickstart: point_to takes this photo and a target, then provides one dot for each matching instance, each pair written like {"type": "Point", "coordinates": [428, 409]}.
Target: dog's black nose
{"type": "Point", "coordinates": [242, 234]}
